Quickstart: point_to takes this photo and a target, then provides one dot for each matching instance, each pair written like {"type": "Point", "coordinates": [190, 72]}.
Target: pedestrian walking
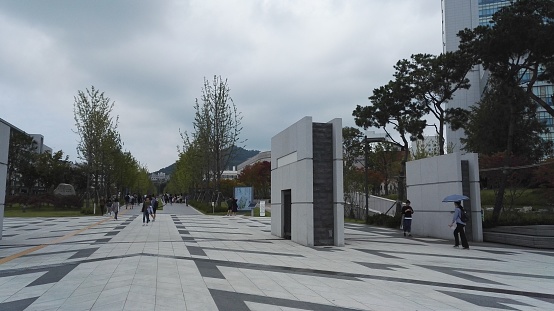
{"type": "Point", "coordinates": [109, 207]}
{"type": "Point", "coordinates": [235, 207]}
{"type": "Point", "coordinates": [132, 201]}
{"type": "Point", "coordinates": [145, 216]}
{"type": "Point", "coordinates": [460, 225]}
{"type": "Point", "coordinates": [154, 204]}
{"type": "Point", "coordinates": [407, 212]}
{"type": "Point", "coordinates": [229, 206]}
{"type": "Point", "coordinates": [115, 208]}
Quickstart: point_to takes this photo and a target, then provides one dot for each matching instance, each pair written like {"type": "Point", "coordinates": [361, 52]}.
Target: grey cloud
{"type": "Point", "coordinates": [283, 60]}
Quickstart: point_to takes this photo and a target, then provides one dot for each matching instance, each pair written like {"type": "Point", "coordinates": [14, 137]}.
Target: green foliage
{"type": "Point", "coordinates": [384, 220]}
{"type": "Point", "coordinates": [512, 48]}
{"type": "Point", "coordinates": [207, 208]}
{"type": "Point", "coordinates": [522, 130]}
{"type": "Point", "coordinates": [217, 125]}
{"type": "Point", "coordinates": [87, 211]}
{"type": "Point", "coordinates": [22, 172]}
{"type": "Point", "coordinates": [42, 210]}
{"type": "Point", "coordinates": [517, 218]}
{"type": "Point", "coordinates": [538, 198]}
{"type": "Point", "coordinates": [41, 200]}
{"type": "Point", "coordinates": [258, 176]}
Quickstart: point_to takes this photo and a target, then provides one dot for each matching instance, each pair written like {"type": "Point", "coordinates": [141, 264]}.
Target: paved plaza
{"type": "Point", "coordinates": [189, 261]}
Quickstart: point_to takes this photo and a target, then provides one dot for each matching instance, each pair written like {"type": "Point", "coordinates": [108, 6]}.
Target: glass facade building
{"type": "Point", "coordinates": [458, 15]}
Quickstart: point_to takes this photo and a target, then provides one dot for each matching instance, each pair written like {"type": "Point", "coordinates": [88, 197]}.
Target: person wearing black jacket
{"type": "Point", "coordinates": [407, 212]}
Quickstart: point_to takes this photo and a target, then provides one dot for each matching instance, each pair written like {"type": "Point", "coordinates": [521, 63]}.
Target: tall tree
{"type": "Point", "coordinates": [516, 47]}
{"type": "Point", "coordinates": [434, 79]}
{"type": "Point", "coordinates": [217, 126]}
{"type": "Point", "coordinates": [21, 156]}
{"type": "Point", "coordinates": [97, 131]}
{"type": "Point", "coordinates": [393, 105]}
{"type": "Point", "coordinates": [505, 121]}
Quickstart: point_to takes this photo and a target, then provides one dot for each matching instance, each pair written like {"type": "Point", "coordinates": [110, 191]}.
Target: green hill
{"type": "Point", "coordinates": [241, 156]}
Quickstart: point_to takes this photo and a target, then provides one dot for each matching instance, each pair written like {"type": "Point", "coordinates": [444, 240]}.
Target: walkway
{"type": "Point", "coordinates": [188, 261]}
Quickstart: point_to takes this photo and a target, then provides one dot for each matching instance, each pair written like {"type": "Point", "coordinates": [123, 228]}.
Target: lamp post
{"type": "Point", "coordinates": [368, 140]}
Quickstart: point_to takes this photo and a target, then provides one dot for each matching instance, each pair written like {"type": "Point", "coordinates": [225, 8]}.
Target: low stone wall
{"type": "Point", "coordinates": [528, 236]}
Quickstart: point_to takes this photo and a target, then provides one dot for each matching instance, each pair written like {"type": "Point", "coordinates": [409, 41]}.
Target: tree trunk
{"type": "Point", "coordinates": [499, 200]}
{"type": "Point", "coordinates": [441, 134]}
{"type": "Point", "coordinates": [402, 181]}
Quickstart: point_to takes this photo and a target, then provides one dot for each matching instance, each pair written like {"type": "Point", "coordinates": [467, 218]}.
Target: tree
{"type": "Point", "coordinates": [257, 175]}
{"type": "Point", "coordinates": [124, 171]}
{"type": "Point", "coordinates": [352, 154]}
{"type": "Point", "coordinates": [217, 126]}
{"type": "Point", "coordinates": [187, 176]}
{"type": "Point", "coordinates": [387, 161]}
{"type": "Point", "coordinates": [544, 174]}
{"type": "Point", "coordinates": [99, 139]}
{"type": "Point", "coordinates": [394, 105]}
{"type": "Point", "coordinates": [515, 47]}
{"type": "Point", "coordinates": [433, 80]}
{"type": "Point", "coordinates": [505, 121]}
{"type": "Point", "coordinates": [21, 156]}
{"type": "Point", "coordinates": [505, 115]}
{"type": "Point", "coordinates": [52, 169]}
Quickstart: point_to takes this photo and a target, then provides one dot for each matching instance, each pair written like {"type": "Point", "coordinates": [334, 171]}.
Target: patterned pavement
{"type": "Point", "coordinates": [189, 261]}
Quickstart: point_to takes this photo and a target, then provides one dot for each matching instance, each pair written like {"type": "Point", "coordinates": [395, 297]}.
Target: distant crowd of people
{"type": "Point", "coordinates": [172, 198]}
{"type": "Point", "coordinates": [149, 204]}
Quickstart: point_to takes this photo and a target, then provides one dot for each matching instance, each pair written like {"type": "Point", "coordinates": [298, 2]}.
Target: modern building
{"type": "Point", "coordinates": [458, 15]}
{"type": "Point", "coordinates": [260, 157]}
{"type": "Point", "coordinates": [426, 147]}
{"type": "Point", "coordinates": [159, 177]}
{"type": "Point", "coordinates": [230, 174]}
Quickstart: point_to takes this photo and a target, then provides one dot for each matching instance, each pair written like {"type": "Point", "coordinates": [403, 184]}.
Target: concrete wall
{"type": "Point", "coordinates": [292, 167]}
{"type": "Point", "coordinates": [430, 180]}
{"type": "Point", "coordinates": [4, 148]}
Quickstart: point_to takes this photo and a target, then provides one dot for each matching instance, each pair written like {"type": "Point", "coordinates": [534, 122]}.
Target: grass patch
{"type": "Point", "coordinates": [524, 197]}
{"type": "Point", "coordinates": [353, 220]}
{"type": "Point", "coordinates": [45, 211]}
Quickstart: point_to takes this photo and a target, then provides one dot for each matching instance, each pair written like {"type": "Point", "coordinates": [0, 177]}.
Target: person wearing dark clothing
{"type": "Point", "coordinates": [154, 204]}
{"type": "Point", "coordinates": [115, 208]}
{"type": "Point", "coordinates": [145, 215]}
{"type": "Point", "coordinates": [407, 212]}
{"type": "Point", "coordinates": [460, 226]}
{"type": "Point", "coordinates": [229, 206]}
{"type": "Point", "coordinates": [235, 207]}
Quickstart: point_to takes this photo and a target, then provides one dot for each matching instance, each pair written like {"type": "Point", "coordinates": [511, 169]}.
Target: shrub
{"type": "Point", "coordinates": [207, 208]}
{"type": "Point", "coordinates": [384, 220]}
{"type": "Point", "coordinates": [87, 211]}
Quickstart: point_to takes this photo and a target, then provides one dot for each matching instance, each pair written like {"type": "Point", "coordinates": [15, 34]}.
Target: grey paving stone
{"type": "Point", "coordinates": [197, 262]}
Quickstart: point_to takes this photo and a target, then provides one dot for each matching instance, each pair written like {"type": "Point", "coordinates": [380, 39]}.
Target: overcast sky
{"type": "Point", "coordinates": [283, 60]}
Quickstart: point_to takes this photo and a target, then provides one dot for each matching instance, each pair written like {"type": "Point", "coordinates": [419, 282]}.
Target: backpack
{"type": "Point", "coordinates": [463, 215]}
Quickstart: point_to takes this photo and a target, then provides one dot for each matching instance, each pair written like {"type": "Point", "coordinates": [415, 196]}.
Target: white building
{"type": "Point", "coordinates": [426, 147]}
{"type": "Point", "coordinates": [260, 157]}
{"type": "Point", "coordinates": [159, 177]}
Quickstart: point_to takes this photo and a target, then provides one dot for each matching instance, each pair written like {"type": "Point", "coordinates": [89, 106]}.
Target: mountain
{"type": "Point", "coordinates": [240, 156]}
